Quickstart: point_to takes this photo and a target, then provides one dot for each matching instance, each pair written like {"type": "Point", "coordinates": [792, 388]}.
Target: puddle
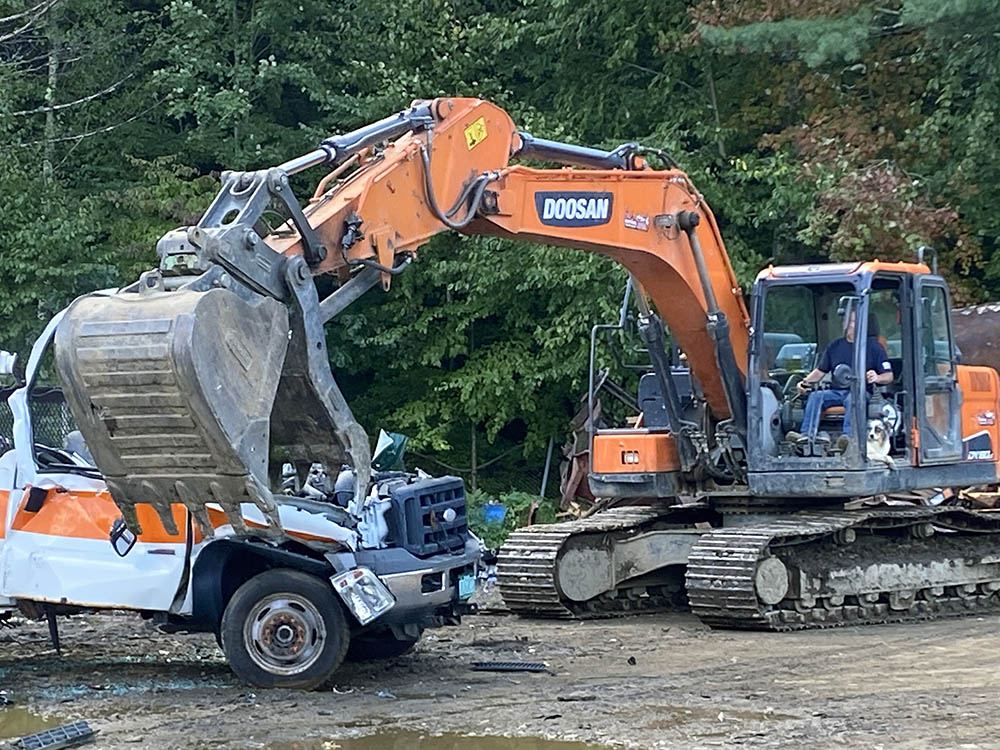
{"type": "Point", "coordinates": [418, 741]}
{"type": "Point", "coordinates": [17, 722]}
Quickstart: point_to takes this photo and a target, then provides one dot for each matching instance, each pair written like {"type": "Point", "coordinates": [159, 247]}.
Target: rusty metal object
{"type": "Point", "coordinates": [173, 391]}
{"type": "Point", "coordinates": [977, 334]}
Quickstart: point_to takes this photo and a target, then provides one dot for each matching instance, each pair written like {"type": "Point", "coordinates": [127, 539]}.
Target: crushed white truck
{"type": "Point", "coordinates": [327, 574]}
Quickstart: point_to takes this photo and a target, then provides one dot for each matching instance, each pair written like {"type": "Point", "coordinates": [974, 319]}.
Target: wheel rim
{"type": "Point", "coordinates": [284, 634]}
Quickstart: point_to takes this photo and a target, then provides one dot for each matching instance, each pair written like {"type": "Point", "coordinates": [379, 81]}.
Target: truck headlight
{"type": "Point", "coordinates": [363, 593]}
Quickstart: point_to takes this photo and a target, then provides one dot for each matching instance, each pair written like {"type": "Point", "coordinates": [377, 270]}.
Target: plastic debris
{"type": "Point", "coordinates": [494, 514]}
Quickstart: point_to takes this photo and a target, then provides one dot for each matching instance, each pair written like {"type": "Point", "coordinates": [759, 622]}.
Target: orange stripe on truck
{"type": "Point", "coordinates": [89, 515]}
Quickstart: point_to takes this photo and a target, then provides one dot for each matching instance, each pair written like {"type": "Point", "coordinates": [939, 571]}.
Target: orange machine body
{"type": "Point", "coordinates": [379, 206]}
{"type": "Point", "coordinates": [634, 451]}
{"type": "Point", "coordinates": [980, 405]}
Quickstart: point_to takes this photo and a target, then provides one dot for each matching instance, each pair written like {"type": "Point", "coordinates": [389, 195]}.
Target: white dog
{"type": "Point", "coordinates": [878, 443]}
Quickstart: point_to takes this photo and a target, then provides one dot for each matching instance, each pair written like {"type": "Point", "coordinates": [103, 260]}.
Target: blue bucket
{"type": "Point", "coordinates": [494, 513]}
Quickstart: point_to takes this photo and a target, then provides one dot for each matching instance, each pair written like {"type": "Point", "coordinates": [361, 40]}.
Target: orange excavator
{"type": "Point", "coordinates": [736, 513]}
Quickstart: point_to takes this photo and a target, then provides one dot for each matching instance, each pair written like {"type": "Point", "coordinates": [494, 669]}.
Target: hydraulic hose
{"type": "Point", "coordinates": [476, 188]}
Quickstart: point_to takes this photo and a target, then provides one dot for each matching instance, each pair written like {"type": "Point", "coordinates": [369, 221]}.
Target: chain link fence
{"type": "Point", "coordinates": [510, 471]}
{"type": "Point", "coordinates": [50, 416]}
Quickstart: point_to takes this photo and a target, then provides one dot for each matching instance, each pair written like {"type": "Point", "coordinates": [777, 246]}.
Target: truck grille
{"type": "Point", "coordinates": [417, 519]}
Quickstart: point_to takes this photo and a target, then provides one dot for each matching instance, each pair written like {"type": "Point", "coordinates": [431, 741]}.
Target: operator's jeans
{"type": "Point", "coordinates": [820, 400]}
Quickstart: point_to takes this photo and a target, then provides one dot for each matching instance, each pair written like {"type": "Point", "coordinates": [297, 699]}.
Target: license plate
{"type": "Point", "coordinates": [466, 586]}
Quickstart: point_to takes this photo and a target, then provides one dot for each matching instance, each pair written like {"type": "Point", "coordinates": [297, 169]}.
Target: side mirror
{"type": "Point", "coordinates": [847, 303]}
{"type": "Point", "coordinates": [121, 538]}
{"type": "Point", "coordinates": [842, 377]}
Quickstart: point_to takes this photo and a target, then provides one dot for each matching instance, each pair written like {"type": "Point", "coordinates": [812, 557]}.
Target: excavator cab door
{"type": "Point", "coordinates": [938, 398]}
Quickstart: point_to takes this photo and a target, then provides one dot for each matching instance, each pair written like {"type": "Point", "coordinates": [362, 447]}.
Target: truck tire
{"type": "Point", "coordinates": [285, 629]}
{"type": "Point", "coordinates": [380, 644]}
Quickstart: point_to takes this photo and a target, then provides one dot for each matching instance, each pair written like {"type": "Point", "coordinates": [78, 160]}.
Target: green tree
{"type": "Point", "coordinates": [881, 111]}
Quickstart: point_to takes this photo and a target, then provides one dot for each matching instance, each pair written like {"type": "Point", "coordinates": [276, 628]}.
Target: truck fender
{"type": "Point", "coordinates": [226, 564]}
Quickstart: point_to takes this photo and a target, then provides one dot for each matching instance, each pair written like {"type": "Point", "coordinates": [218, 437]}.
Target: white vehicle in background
{"type": "Point", "coordinates": [793, 357]}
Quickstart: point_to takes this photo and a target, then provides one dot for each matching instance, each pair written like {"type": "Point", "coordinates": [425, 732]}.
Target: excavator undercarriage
{"type": "Point", "coordinates": [790, 572]}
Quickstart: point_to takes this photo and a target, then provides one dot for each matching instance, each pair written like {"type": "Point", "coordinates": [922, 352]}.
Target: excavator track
{"type": "Point", "coordinates": [810, 569]}
{"type": "Point", "coordinates": [816, 570]}
{"type": "Point", "coordinates": [527, 567]}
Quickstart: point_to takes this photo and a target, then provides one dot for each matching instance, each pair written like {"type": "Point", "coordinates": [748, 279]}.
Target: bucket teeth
{"type": "Point", "coordinates": [128, 512]}
{"type": "Point", "coordinates": [233, 514]}
{"type": "Point", "coordinates": [192, 502]}
{"type": "Point", "coordinates": [263, 499]}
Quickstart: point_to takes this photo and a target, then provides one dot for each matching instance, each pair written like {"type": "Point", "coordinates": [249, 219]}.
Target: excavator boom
{"type": "Point", "coordinates": [616, 206]}
{"type": "Point", "coordinates": [192, 385]}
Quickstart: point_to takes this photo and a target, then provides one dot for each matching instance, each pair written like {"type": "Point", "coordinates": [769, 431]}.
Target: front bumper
{"type": "Point", "coordinates": [423, 592]}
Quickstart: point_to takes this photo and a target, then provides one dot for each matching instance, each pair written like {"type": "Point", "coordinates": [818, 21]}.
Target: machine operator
{"type": "Point", "coordinates": [878, 371]}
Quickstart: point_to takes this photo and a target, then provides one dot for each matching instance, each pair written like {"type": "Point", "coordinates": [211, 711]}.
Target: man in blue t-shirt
{"type": "Point", "coordinates": [878, 371]}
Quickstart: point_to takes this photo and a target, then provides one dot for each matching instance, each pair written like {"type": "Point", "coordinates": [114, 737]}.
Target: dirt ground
{"type": "Point", "coordinates": [930, 685]}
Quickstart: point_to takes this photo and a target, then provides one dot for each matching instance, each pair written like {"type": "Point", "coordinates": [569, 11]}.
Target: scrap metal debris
{"type": "Point", "coordinates": [70, 735]}
{"type": "Point", "coordinates": [508, 666]}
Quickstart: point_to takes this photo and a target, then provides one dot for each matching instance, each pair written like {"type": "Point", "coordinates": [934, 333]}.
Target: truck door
{"type": "Point", "coordinates": [938, 399]}
{"type": "Point", "coordinates": [57, 544]}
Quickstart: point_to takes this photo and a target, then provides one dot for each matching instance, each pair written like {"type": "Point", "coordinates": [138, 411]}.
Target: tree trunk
{"type": "Point", "coordinates": [48, 163]}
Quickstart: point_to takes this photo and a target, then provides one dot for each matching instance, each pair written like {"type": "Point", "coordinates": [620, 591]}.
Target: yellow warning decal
{"type": "Point", "coordinates": [476, 133]}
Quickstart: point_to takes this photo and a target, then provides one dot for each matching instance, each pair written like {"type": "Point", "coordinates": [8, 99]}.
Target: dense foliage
{"type": "Point", "coordinates": [831, 129]}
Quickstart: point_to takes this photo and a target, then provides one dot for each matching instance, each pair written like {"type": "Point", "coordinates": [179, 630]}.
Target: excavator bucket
{"type": "Point", "coordinates": [173, 392]}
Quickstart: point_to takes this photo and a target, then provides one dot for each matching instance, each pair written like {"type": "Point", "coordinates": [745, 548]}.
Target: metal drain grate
{"type": "Point", "coordinates": [71, 735]}
{"type": "Point", "coordinates": [508, 666]}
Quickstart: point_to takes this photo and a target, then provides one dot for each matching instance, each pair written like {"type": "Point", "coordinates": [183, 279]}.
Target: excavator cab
{"type": "Point", "coordinates": [908, 432]}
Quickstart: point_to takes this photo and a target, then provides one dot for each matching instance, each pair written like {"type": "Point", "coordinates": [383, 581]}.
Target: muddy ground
{"type": "Point", "coordinates": [930, 685]}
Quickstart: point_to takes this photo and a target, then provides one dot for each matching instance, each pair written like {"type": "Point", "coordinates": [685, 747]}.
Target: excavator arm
{"type": "Point", "coordinates": [190, 384]}
{"type": "Point", "coordinates": [616, 207]}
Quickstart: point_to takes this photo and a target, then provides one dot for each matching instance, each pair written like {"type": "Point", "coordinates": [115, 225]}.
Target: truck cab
{"type": "Point", "coordinates": [287, 606]}
{"type": "Point", "coordinates": [933, 424]}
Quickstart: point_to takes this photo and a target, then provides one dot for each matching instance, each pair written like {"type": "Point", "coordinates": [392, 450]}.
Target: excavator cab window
{"type": "Point", "coordinates": [789, 338]}
{"type": "Point", "coordinates": [830, 334]}
{"type": "Point", "coordinates": [937, 398]}
{"type": "Point", "coordinates": [885, 322]}
{"type": "Point", "coordinates": [800, 320]}
{"type": "Point", "coordinates": [803, 326]}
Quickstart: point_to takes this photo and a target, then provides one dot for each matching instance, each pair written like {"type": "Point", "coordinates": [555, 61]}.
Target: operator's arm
{"type": "Point", "coordinates": [812, 377]}
{"type": "Point", "coordinates": [821, 369]}
{"type": "Point", "coordinates": [881, 374]}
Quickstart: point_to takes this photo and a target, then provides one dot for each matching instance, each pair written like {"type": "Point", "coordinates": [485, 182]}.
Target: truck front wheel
{"type": "Point", "coordinates": [284, 628]}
